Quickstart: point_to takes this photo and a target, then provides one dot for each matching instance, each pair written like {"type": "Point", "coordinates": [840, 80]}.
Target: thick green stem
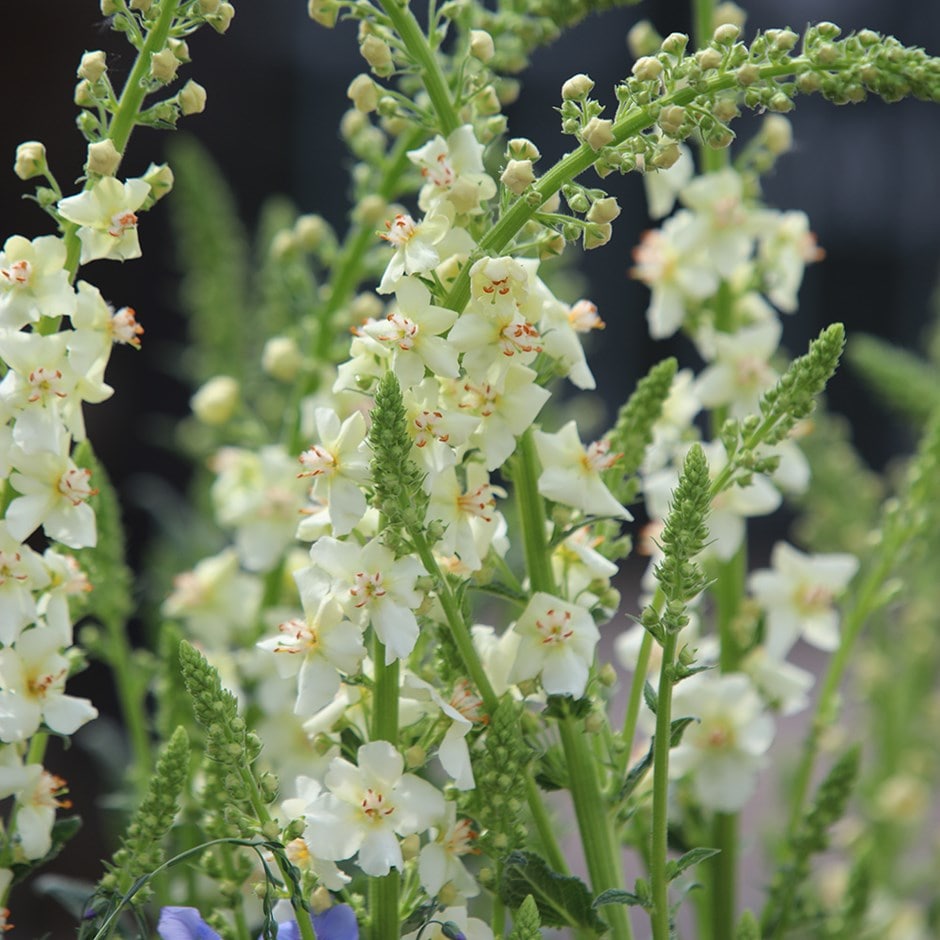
{"type": "Point", "coordinates": [531, 509]}
{"type": "Point", "coordinates": [659, 841]}
{"type": "Point", "coordinates": [543, 826]}
{"type": "Point", "coordinates": [634, 701]}
{"type": "Point", "coordinates": [594, 825]}
{"type": "Point", "coordinates": [432, 77]}
{"type": "Point", "coordinates": [723, 871]}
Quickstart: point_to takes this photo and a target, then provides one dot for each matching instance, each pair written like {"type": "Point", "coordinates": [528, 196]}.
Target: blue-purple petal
{"type": "Point", "coordinates": [184, 923]}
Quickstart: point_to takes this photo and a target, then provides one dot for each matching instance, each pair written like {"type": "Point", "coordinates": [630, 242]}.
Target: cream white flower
{"type": "Point", "coordinates": [671, 262]}
{"type": "Point", "coordinates": [38, 796]}
{"type": "Point", "coordinates": [467, 511]}
{"type": "Point", "coordinates": [54, 494]}
{"type": "Point", "coordinates": [337, 465]}
{"type": "Point", "coordinates": [741, 371]}
{"type": "Point", "coordinates": [316, 648]}
{"type": "Point", "coordinates": [797, 596]}
{"type": "Point", "coordinates": [107, 218]}
{"type": "Point", "coordinates": [784, 251]}
{"type": "Point", "coordinates": [506, 402]}
{"type": "Point", "coordinates": [453, 171]}
{"type": "Point", "coordinates": [440, 433]}
{"type": "Point", "coordinates": [724, 749]}
{"type": "Point", "coordinates": [217, 599]}
{"type": "Point", "coordinates": [411, 333]}
{"type": "Point", "coordinates": [22, 574]}
{"type": "Point", "coordinates": [33, 281]}
{"type": "Point", "coordinates": [556, 643]}
{"type": "Point", "coordinates": [32, 688]}
{"type": "Point", "coordinates": [571, 472]}
{"type": "Point", "coordinates": [369, 806]}
{"type": "Point", "coordinates": [372, 586]}
{"type": "Point", "coordinates": [259, 495]}
{"type": "Point", "coordinates": [440, 862]}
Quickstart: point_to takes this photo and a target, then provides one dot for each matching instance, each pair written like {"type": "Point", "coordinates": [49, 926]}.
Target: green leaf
{"type": "Point", "coordinates": [650, 697]}
{"type": "Point", "coordinates": [618, 896]}
{"type": "Point", "coordinates": [525, 923]}
{"type": "Point", "coordinates": [692, 857]}
{"type": "Point", "coordinates": [639, 770]}
{"type": "Point", "coordinates": [564, 706]}
{"type": "Point", "coordinates": [562, 900]}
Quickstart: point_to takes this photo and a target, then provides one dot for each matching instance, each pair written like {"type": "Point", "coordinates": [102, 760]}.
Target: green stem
{"type": "Point", "coordinates": [723, 869]}
{"type": "Point", "coordinates": [431, 75]}
{"type": "Point", "coordinates": [634, 701]}
{"type": "Point", "coordinates": [531, 509]}
{"type": "Point", "coordinates": [594, 826]}
{"type": "Point", "coordinates": [135, 88]}
{"type": "Point", "coordinates": [659, 841]}
{"type": "Point", "coordinates": [575, 163]}
{"type": "Point", "coordinates": [543, 825]}
{"type": "Point", "coordinates": [383, 907]}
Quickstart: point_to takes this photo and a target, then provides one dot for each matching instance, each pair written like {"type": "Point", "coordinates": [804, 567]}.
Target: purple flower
{"type": "Point", "coordinates": [184, 923]}
{"type": "Point", "coordinates": [335, 923]}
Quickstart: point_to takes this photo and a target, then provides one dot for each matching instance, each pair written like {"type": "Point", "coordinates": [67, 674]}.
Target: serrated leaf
{"type": "Point", "coordinates": [677, 729]}
{"type": "Point", "coordinates": [562, 900]}
{"type": "Point", "coordinates": [649, 696]}
{"type": "Point", "coordinates": [692, 857]}
{"type": "Point", "coordinates": [618, 896]}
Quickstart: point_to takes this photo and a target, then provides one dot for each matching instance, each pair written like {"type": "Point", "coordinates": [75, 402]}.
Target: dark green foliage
{"type": "Point", "coordinates": [526, 921]}
{"type": "Point", "coordinates": [562, 900]}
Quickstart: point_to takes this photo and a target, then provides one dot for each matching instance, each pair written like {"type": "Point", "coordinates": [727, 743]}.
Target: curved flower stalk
{"type": "Point", "coordinates": [56, 337]}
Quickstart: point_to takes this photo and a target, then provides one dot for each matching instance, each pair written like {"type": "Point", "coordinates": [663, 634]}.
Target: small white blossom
{"type": "Point", "coordinates": [372, 586]}
{"type": "Point", "coordinates": [785, 250]}
{"type": "Point", "coordinates": [337, 465]}
{"type": "Point", "coordinates": [22, 573]}
{"type": "Point", "coordinates": [724, 749]}
{"type": "Point", "coordinates": [32, 688]}
{"type": "Point", "coordinates": [797, 596]}
{"type": "Point", "coordinates": [38, 796]}
{"type": "Point", "coordinates": [453, 171]}
{"type": "Point", "coordinates": [107, 218]}
{"type": "Point", "coordinates": [33, 281]}
{"type": "Point", "coordinates": [556, 643]}
{"type": "Point", "coordinates": [571, 472]}
{"type": "Point", "coordinates": [369, 806]}
{"type": "Point", "coordinates": [440, 862]}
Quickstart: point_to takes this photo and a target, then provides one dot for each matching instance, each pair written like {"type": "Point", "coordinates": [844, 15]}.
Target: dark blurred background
{"type": "Point", "coordinates": [868, 176]}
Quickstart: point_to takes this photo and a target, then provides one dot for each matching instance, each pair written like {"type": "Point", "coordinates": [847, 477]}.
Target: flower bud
{"type": "Point", "coordinates": [597, 133]}
{"type": "Point", "coordinates": [372, 210]}
{"type": "Point", "coordinates": [103, 158]}
{"type": "Point", "coordinates": [323, 12]}
{"type": "Point", "coordinates": [281, 358]}
{"type": "Point", "coordinates": [215, 402]}
{"type": "Point", "coordinates": [416, 756]}
{"type": "Point", "coordinates": [726, 34]}
{"type": "Point", "coordinates": [222, 18]}
{"type": "Point", "coordinates": [92, 66]}
{"type": "Point", "coordinates": [30, 159]}
{"type": "Point", "coordinates": [179, 48]}
{"type": "Point", "coordinates": [785, 40]}
{"type": "Point", "coordinates": [310, 231]}
{"type": "Point", "coordinates": [321, 900]}
{"type": "Point", "coordinates": [780, 103]}
{"type": "Point", "coordinates": [553, 203]}
{"type": "Point", "coordinates": [192, 98]}
{"type": "Point", "coordinates": [747, 74]}
{"type": "Point", "coordinates": [521, 148]}
{"type": "Point", "coordinates": [725, 109]}
{"type": "Point", "coordinates": [778, 134]}
{"type": "Point", "coordinates": [209, 7]}
{"type": "Point", "coordinates": [671, 118]}
{"type": "Point", "coordinates": [666, 157]}
{"type": "Point", "coordinates": [675, 43]}
{"type": "Point", "coordinates": [163, 66]}
{"type": "Point", "coordinates": [647, 69]}
{"type": "Point", "coordinates": [486, 101]}
{"type": "Point", "coordinates": [481, 45]}
{"type": "Point", "coordinates": [597, 234]}
{"type": "Point", "coordinates": [108, 7]}
{"type": "Point", "coordinates": [828, 30]}
{"type": "Point", "coordinates": [517, 176]}
{"type": "Point", "coordinates": [142, 6]}
{"type": "Point", "coordinates": [84, 97]}
{"type": "Point", "coordinates": [552, 245]}
{"type": "Point", "coordinates": [363, 94]}
{"type": "Point", "coordinates": [577, 87]}
{"type": "Point", "coordinates": [708, 59]}
{"type": "Point", "coordinates": [377, 53]}
{"type": "Point", "coordinates": [604, 210]}
{"type": "Point", "coordinates": [643, 39]}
